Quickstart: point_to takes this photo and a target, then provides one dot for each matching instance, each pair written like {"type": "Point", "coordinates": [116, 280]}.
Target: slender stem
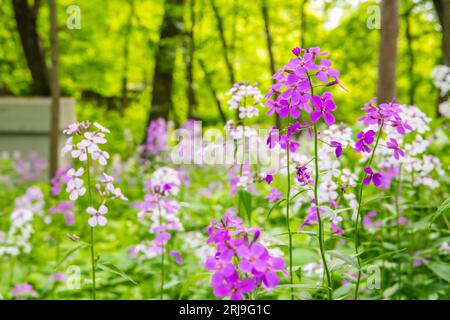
{"type": "Point", "coordinates": [88, 167]}
{"type": "Point", "coordinates": [358, 213]}
{"type": "Point", "coordinates": [319, 219]}
{"type": "Point", "coordinates": [161, 289]}
{"type": "Point", "coordinates": [397, 213]}
{"type": "Point", "coordinates": [317, 203]}
{"type": "Point", "coordinates": [288, 196]}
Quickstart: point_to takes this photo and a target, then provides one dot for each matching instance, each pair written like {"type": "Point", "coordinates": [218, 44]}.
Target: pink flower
{"type": "Point", "coordinates": [22, 291]}
{"type": "Point", "coordinates": [274, 195]}
{"type": "Point", "coordinates": [97, 216]}
{"type": "Point", "coordinates": [177, 256]}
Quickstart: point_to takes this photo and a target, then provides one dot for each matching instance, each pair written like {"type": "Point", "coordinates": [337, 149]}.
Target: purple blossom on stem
{"type": "Point", "coordinates": [338, 148]}
{"type": "Point", "coordinates": [372, 177]}
{"type": "Point", "coordinates": [364, 139]}
{"type": "Point", "coordinates": [323, 105]}
{"type": "Point", "coordinates": [177, 256]}
{"type": "Point", "coordinates": [393, 144]}
{"type": "Point", "coordinates": [274, 195]}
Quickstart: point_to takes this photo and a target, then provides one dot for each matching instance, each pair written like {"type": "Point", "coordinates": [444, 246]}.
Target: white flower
{"type": "Point", "coordinates": [97, 216]}
{"type": "Point", "coordinates": [101, 128]}
{"type": "Point", "coordinates": [75, 184]}
{"type": "Point", "coordinates": [100, 155]}
{"type": "Point", "coordinates": [67, 147]}
{"type": "Point", "coordinates": [108, 180]}
{"type": "Point", "coordinates": [80, 152]}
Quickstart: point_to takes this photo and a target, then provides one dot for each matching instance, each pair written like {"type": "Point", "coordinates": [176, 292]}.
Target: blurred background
{"type": "Point", "coordinates": [124, 62]}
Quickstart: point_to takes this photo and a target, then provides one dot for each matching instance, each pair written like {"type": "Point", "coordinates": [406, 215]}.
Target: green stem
{"type": "Point", "coordinates": [317, 203]}
{"type": "Point", "coordinates": [397, 213]}
{"type": "Point", "coordinates": [288, 195]}
{"type": "Point", "coordinates": [161, 289]}
{"type": "Point", "coordinates": [319, 219]}
{"type": "Point", "coordinates": [358, 213]}
{"type": "Point", "coordinates": [92, 228]}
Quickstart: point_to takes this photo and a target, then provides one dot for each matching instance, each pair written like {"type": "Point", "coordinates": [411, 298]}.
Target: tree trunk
{"type": "Point", "coordinates": [189, 63]}
{"type": "Point", "coordinates": [126, 57]}
{"type": "Point", "coordinates": [224, 42]}
{"type": "Point", "coordinates": [211, 88]}
{"type": "Point", "coordinates": [170, 36]}
{"type": "Point", "coordinates": [443, 11]}
{"type": "Point", "coordinates": [55, 90]}
{"type": "Point", "coordinates": [265, 14]}
{"type": "Point", "coordinates": [387, 59]}
{"type": "Point", "coordinates": [26, 26]}
{"type": "Point", "coordinates": [409, 42]}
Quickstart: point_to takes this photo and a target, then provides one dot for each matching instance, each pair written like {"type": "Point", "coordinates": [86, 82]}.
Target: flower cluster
{"type": "Point", "coordinates": [31, 168]}
{"type": "Point", "coordinates": [156, 141]}
{"type": "Point", "coordinates": [387, 118]}
{"type": "Point", "coordinates": [406, 148]}
{"type": "Point", "coordinates": [162, 211]}
{"type": "Point", "coordinates": [17, 239]}
{"type": "Point", "coordinates": [293, 87]}
{"type": "Point", "coordinates": [83, 144]}
{"type": "Point", "coordinates": [241, 262]}
{"type": "Point", "coordinates": [245, 98]}
{"type": "Point", "coordinates": [23, 291]}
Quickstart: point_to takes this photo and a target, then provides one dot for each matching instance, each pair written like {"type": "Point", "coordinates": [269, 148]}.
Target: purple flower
{"type": "Point", "coordinates": [322, 107]}
{"type": "Point", "coordinates": [234, 287]}
{"type": "Point", "coordinates": [65, 208]}
{"type": "Point", "coordinates": [177, 256]}
{"type": "Point", "coordinates": [253, 258]}
{"type": "Point", "coordinates": [274, 195]}
{"type": "Point", "coordinates": [338, 148]}
{"type": "Point", "coordinates": [269, 178]}
{"type": "Point", "coordinates": [296, 51]}
{"type": "Point", "coordinates": [364, 139]}
{"type": "Point", "coordinates": [303, 176]}
{"type": "Point", "coordinates": [392, 144]}
{"type": "Point", "coordinates": [371, 176]}
{"type": "Point", "coordinates": [325, 71]}
{"type": "Point", "coordinates": [400, 125]}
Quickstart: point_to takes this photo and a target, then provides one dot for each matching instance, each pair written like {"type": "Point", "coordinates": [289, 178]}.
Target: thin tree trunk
{"type": "Point", "coordinates": [443, 11]}
{"type": "Point", "coordinates": [126, 57]}
{"type": "Point", "coordinates": [213, 91]}
{"type": "Point", "coordinates": [224, 42]}
{"type": "Point", "coordinates": [409, 42]}
{"type": "Point", "coordinates": [26, 26]}
{"type": "Point", "coordinates": [265, 14]}
{"type": "Point", "coordinates": [387, 59]}
{"type": "Point", "coordinates": [189, 63]}
{"type": "Point", "coordinates": [55, 89]}
{"type": "Point", "coordinates": [165, 55]}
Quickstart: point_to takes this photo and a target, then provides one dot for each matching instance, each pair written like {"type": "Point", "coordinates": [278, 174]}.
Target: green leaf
{"type": "Point", "coordinates": [442, 270]}
{"type": "Point", "coordinates": [444, 208]}
{"type": "Point", "coordinates": [274, 206]}
{"type": "Point", "coordinates": [192, 282]}
{"type": "Point", "coordinates": [109, 267]}
{"type": "Point", "coordinates": [245, 198]}
{"type": "Point", "coordinates": [346, 258]}
{"type": "Point", "coordinates": [71, 252]}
